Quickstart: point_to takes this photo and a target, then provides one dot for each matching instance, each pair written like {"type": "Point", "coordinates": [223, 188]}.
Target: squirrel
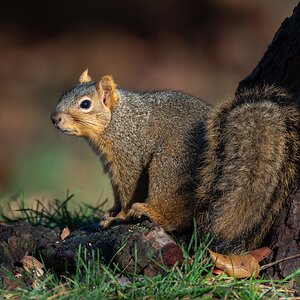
{"type": "Point", "coordinates": [173, 158]}
{"type": "Point", "coordinates": [151, 143]}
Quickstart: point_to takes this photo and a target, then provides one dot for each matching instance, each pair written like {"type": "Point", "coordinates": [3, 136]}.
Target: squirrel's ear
{"type": "Point", "coordinates": [106, 89]}
{"type": "Point", "coordinates": [85, 77]}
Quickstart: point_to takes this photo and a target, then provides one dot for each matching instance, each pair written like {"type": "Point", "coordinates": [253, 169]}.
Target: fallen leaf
{"type": "Point", "coordinates": [32, 265]}
{"type": "Point", "coordinates": [217, 271]}
{"type": "Point", "coordinates": [65, 233]}
{"type": "Point", "coordinates": [239, 266]}
{"type": "Point", "coordinates": [260, 253]}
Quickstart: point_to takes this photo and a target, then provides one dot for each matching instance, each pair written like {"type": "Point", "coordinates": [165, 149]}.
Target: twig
{"type": "Point", "coordinates": [278, 261]}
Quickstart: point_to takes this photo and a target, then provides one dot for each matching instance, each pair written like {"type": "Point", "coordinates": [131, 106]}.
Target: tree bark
{"type": "Point", "coordinates": [280, 66]}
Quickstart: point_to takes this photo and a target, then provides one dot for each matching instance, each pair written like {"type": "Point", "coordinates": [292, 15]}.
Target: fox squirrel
{"type": "Point", "coordinates": [150, 141]}
{"type": "Point", "coordinates": [173, 158]}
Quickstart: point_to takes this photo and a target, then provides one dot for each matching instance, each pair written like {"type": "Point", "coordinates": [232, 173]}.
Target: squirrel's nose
{"type": "Point", "coordinates": [55, 118]}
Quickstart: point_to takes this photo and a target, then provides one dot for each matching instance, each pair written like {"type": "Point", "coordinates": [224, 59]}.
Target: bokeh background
{"type": "Point", "coordinates": [201, 47]}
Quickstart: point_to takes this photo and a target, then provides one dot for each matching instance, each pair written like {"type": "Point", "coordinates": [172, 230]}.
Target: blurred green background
{"type": "Point", "coordinates": [201, 47]}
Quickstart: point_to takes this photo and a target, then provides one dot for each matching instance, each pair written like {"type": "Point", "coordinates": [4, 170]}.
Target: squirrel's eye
{"type": "Point", "coordinates": [85, 104]}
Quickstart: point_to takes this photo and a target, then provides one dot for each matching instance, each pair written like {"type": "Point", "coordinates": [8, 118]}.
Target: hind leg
{"type": "Point", "coordinates": [169, 202]}
{"type": "Point", "coordinates": [170, 218]}
{"type": "Point", "coordinates": [138, 210]}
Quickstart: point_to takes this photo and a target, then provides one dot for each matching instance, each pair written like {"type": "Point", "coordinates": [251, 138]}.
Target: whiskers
{"type": "Point", "coordinates": [90, 128]}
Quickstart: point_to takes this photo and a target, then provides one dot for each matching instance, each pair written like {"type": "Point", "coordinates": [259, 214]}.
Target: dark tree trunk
{"type": "Point", "coordinates": [281, 66]}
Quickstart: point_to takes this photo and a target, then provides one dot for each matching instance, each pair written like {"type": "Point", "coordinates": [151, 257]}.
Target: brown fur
{"type": "Point", "coordinates": [172, 158]}
{"type": "Point", "coordinates": [251, 164]}
{"type": "Point", "coordinates": [151, 143]}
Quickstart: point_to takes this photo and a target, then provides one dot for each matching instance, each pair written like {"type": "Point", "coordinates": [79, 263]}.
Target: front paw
{"type": "Point", "coordinates": [106, 221]}
{"type": "Point", "coordinates": [137, 210]}
{"type": "Point", "coordinates": [105, 216]}
{"type": "Point", "coordinates": [112, 216]}
{"type": "Point", "coordinates": [110, 213]}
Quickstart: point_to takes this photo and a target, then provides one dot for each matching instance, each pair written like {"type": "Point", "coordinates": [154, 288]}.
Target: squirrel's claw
{"type": "Point", "coordinates": [105, 223]}
{"type": "Point", "coordinates": [112, 216]}
{"type": "Point", "coordinates": [110, 213]}
{"type": "Point", "coordinates": [137, 210]}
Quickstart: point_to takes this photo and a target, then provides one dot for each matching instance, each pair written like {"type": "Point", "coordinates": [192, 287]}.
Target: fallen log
{"type": "Point", "coordinates": [134, 248]}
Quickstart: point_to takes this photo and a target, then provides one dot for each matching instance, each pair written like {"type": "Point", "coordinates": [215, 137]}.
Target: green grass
{"type": "Point", "coordinates": [57, 213]}
{"type": "Point", "coordinates": [192, 280]}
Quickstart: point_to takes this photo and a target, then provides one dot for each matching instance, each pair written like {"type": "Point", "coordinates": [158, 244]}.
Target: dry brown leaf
{"type": "Point", "coordinates": [65, 233]}
{"type": "Point", "coordinates": [239, 266]}
{"type": "Point", "coordinates": [32, 265]}
{"type": "Point", "coordinates": [260, 253]}
{"type": "Point", "coordinates": [217, 271]}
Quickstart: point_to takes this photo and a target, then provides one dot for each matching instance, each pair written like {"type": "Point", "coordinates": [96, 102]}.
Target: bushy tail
{"type": "Point", "coordinates": [250, 167]}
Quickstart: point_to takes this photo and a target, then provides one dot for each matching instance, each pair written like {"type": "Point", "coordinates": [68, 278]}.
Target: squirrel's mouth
{"type": "Point", "coordinates": [59, 122]}
{"type": "Point", "coordinates": [65, 130]}
{"type": "Point", "coordinates": [64, 124]}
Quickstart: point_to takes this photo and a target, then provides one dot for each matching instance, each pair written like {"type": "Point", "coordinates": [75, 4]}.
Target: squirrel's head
{"type": "Point", "coordinates": [86, 109]}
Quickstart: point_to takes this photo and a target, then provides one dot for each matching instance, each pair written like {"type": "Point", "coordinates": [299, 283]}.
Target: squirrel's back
{"type": "Point", "coordinates": [159, 112]}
